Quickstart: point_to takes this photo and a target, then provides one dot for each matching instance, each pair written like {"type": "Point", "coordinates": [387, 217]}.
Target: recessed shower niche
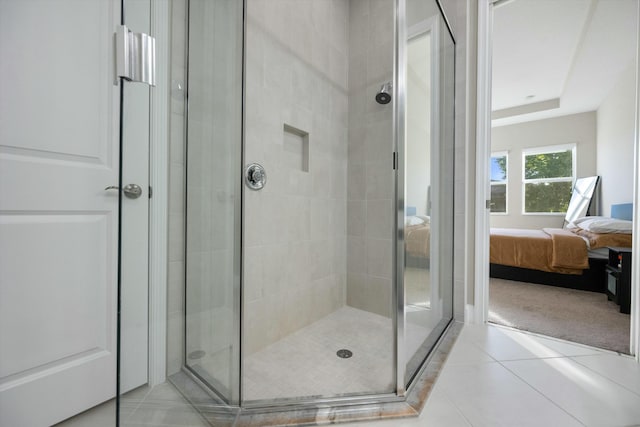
{"type": "Point", "coordinates": [278, 280]}
{"type": "Point", "coordinates": [295, 143]}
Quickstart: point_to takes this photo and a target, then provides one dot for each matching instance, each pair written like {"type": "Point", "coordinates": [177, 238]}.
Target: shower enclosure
{"type": "Point", "coordinates": [318, 146]}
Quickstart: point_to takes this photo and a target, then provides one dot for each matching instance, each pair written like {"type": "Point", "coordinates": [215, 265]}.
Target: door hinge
{"type": "Point", "coordinates": [135, 56]}
{"type": "Point", "coordinates": [150, 192]}
{"type": "Point", "coordinates": [395, 160]}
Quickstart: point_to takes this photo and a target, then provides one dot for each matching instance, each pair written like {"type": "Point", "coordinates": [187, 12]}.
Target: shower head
{"type": "Point", "coordinates": [384, 95]}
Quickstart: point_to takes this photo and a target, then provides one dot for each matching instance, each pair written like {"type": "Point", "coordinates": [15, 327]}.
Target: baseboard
{"type": "Point", "coordinates": [469, 314]}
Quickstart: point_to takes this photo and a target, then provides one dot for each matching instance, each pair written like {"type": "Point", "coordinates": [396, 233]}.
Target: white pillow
{"type": "Point", "coordinates": [413, 220]}
{"type": "Point", "coordinates": [425, 218]}
{"type": "Point", "coordinates": [601, 224]}
{"type": "Point", "coordinates": [576, 223]}
{"type": "Point", "coordinates": [588, 219]}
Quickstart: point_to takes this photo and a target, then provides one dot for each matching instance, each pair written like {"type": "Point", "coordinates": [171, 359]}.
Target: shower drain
{"type": "Point", "coordinates": [344, 353]}
{"type": "Point", "coordinates": [198, 354]}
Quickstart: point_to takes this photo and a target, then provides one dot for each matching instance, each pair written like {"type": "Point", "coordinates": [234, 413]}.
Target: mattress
{"type": "Point", "coordinates": [603, 240]}
{"type": "Point", "coordinates": [417, 240]}
{"type": "Point", "coordinates": [554, 250]}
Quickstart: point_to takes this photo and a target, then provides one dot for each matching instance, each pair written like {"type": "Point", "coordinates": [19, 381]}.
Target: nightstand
{"type": "Point", "coordinates": [619, 278]}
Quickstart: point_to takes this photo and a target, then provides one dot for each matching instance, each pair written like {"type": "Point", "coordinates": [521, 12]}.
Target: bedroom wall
{"type": "Point", "coordinates": [616, 120]}
{"type": "Point", "coordinates": [576, 128]}
{"type": "Point", "coordinates": [370, 177]}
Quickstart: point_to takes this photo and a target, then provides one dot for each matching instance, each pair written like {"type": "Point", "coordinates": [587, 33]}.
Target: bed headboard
{"type": "Point", "coordinates": [622, 211]}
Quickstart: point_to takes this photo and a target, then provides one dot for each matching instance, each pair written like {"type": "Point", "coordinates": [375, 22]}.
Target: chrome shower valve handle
{"type": "Point", "coordinates": [255, 176]}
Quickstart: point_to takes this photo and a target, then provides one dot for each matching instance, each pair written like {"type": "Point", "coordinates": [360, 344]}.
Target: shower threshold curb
{"type": "Point", "coordinates": [326, 412]}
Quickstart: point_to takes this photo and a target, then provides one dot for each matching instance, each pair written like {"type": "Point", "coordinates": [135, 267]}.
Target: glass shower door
{"type": "Point", "coordinates": [213, 195]}
{"type": "Point", "coordinates": [429, 181]}
{"type": "Point", "coordinates": [133, 192]}
{"type": "Point", "coordinates": [295, 118]}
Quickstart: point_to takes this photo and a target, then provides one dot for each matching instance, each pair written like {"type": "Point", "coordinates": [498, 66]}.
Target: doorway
{"type": "Point", "coordinates": [537, 113]}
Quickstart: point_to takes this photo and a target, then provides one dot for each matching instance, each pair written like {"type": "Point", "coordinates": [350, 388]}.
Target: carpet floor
{"type": "Point", "coordinates": [572, 315]}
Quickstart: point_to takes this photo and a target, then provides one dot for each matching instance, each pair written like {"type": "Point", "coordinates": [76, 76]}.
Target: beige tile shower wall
{"type": "Point", "coordinates": [295, 228]}
{"type": "Point", "coordinates": [370, 174]}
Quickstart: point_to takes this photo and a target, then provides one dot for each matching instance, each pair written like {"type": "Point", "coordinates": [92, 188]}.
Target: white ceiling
{"type": "Point", "coordinates": [558, 52]}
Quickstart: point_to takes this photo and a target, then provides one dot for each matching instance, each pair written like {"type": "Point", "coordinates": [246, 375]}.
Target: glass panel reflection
{"type": "Point", "coordinates": [429, 149]}
{"type": "Point", "coordinates": [214, 129]}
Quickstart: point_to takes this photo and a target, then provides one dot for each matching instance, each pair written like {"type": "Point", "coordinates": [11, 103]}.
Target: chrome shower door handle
{"type": "Point", "coordinates": [255, 176]}
{"type": "Point", "coordinates": [132, 191]}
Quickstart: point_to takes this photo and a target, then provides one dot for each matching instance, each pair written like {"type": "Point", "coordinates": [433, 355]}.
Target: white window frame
{"type": "Point", "coordinates": [546, 150]}
{"type": "Point", "coordinates": [505, 182]}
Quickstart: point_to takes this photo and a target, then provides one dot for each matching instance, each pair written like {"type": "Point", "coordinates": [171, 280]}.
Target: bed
{"type": "Point", "coordinates": [417, 237]}
{"type": "Point", "coordinates": [573, 257]}
{"type": "Point", "coordinates": [417, 241]}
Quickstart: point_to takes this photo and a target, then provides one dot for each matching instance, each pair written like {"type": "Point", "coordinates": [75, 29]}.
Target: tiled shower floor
{"type": "Point", "coordinates": [305, 363]}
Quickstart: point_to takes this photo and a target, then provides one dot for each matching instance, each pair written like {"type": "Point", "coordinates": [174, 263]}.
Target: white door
{"type": "Point", "coordinates": [59, 134]}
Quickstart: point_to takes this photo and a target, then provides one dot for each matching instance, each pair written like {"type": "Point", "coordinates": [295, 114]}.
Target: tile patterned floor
{"type": "Point", "coordinates": [497, 376]}
{"type": "Point", "coordinates": [305, 363]}
{"type": "Point", "coordinates": [493, 377]}
{"type": "Point", "coordinates": [161, 406]}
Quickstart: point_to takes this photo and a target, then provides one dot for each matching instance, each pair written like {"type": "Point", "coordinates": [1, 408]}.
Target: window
{"type": "Point", "coordinates": [499, 182]}
{"type": "Point", "coordinates": [548, 175]}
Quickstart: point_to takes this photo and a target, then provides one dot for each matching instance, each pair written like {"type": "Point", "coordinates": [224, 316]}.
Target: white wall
{"type": "Point", "coordinates": [615, 119]}
{"type": "Point", "coordinates": [576, 128]}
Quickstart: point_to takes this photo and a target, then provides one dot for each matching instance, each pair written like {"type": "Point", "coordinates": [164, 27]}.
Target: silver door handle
{"type": "Point", "coordinates": [132, 191]}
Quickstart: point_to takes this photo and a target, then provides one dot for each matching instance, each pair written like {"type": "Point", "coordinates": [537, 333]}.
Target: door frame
{"type": "Point", "coordinates": [480, 311]}
{"type": "Point", "coordinates": [635, 263]}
